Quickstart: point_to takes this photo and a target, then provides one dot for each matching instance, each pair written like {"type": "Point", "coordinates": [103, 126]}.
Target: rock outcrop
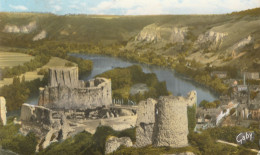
{"type": "Point", "coordinates": [20, 29]}
{"type": "Point", "coordinates": [155, 33]}
{"type": "Point", "coordinates": [235, 49]}
{"type": "Point", "coordinates": [113, 143]}
{"type": "Point", "coordinates": [65, 91]}
{"type": "Point", "coordinates": [211, 40]}
{"type": "Point", "coordinates": [40, 35]}
{"type": "Point", "coordinates": [164, 122]}
{"type": "Point", "coordinates": [2, 110]}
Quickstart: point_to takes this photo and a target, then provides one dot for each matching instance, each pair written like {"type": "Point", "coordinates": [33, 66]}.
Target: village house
{"type": "Point", "coordinates": [255, 112]}
{"type": "Point", "coordinates": [251, 75]}
{"type": "Point", "coordinates": [241, 88]}
{"type": "Point", "coordinates": [242, 111]}
{"type": "Point", "coordinates": [219, 74]}
{"type": "Point", "coordinates": [213, 117]}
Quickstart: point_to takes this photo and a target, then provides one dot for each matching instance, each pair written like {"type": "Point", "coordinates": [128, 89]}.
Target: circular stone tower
{"type": "Point", "coordinates": [171, 124]}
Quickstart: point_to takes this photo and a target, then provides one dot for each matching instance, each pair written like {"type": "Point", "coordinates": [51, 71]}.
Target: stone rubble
{"type": "Point", "coordinates": [113, 143]}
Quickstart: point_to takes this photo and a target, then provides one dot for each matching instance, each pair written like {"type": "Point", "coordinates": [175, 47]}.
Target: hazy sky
{"type": "Point", "coordinates": [128, 7]}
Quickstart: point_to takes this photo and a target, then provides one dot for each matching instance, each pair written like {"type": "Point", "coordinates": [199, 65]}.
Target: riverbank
{"type": "Point", "coordinates": [189, 69]}
{"type": "Point", "coordinates": [175, 84]}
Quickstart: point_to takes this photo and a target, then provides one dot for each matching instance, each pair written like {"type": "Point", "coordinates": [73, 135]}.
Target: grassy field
{"type": "Point", "coordinates": [10, 59]}
{"type": "Point", "coordinates": [29, 76]}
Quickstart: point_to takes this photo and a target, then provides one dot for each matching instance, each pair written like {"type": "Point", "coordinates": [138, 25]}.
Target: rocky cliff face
{"type": "Point", "coordinates": [20, 29]}
{"type": "Point", "coordinates": [2, 110]}
{"type": "Point", "coordinates": [236, 48]}
{"type": "Point", "coordinates": [211, 40]}
{"type": "Point", "coordinates": [154, 33]}
{"type": "Point", "coordinates": [40, 35]}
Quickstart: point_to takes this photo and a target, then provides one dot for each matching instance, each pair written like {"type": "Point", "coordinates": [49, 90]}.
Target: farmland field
{"type": "Point", "coordinates": [32, 75]}
{"type": "Point", "coordinates": [10, 59]}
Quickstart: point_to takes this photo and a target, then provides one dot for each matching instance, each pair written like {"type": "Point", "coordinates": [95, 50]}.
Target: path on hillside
{"type": "Point", "coordinates": [236, 145]}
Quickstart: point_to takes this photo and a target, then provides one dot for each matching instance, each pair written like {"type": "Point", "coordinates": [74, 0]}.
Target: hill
{"type": "Point", "coordinates": [218, 40]}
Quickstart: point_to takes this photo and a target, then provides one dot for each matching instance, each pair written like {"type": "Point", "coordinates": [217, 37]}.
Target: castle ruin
{"type": "Point", "coordinates": [2, 110]}
{"type": "Point", "coordinates": [64, 98]}
{"type": "Point", "coordinates": [49, 125]}
{"type": "Point", "coordinates": [164, 122]}
{"type": "Point", "coordinates": [65, 91]}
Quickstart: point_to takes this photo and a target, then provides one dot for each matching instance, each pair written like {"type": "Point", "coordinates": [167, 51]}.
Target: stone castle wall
{"type": "Point", "coordinates": [65, 92]}
{"type": "Point", "coordinates": [145, 122]}
{"type": "Point", "coordinates": [47, 124]}
{"type": "Point", "coordinates": [2, 110]}
{"type": "Point", "coordinates": [36, 114]}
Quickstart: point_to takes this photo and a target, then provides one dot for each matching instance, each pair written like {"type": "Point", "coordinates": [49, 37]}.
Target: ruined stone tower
{"type": "Point", "coordinates": [65, 91]}
{"type": "Point", "coordinates": [64, 76]}
{"type": "Point", "coordinates": [164, 122]}
{"type": "Point", "coordinates": [2, 110]}
{"type": "Point", "coordinates": [171, 126]}
{"type": "Point", "coordinates": [145, 122]}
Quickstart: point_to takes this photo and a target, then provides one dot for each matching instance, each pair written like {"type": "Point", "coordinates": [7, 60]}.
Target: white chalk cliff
{"type": "Point", "coordinates": [210, 40]}
{"type": "Point", "coordinates": [155, 33]}
{"type": "Point", "coordinates": [20, 29]}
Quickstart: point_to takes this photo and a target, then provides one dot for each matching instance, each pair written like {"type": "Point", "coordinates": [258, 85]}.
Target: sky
{"type": "Point", "coordinates": [128, 7]}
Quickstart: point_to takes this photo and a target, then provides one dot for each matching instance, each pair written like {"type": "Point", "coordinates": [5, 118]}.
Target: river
{"type": "Point", "coordinates": [177, 84]}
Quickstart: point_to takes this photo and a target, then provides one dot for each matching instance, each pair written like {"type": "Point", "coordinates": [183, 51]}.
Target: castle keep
{"type": "Point", "coordinates": [65, 91]}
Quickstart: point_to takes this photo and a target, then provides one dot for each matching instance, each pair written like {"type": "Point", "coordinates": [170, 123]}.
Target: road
{"type": "Point", "coordinates": [236, 145]}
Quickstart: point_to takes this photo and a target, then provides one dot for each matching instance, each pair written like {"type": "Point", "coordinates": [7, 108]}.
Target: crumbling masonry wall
{"type": "Point", "coordinates": [145, 122]}
{"type": "Point", "coordinates": [64, 92]}
{"type": "Point", "coordinates": [2, 110]}
{"type": "Point", "coordinates": [44, 122]}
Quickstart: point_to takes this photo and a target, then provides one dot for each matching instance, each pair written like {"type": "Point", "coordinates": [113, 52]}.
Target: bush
{"type": "Point", "coordinates": [10, 139]}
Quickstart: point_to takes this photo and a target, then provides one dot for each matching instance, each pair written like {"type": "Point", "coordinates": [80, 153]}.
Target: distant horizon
{"type": "Point", "coordinates": [123, 15]}
{"type": "Point", "coordinates": [128, 7]}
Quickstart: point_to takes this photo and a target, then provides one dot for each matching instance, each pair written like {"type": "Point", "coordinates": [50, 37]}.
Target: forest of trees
{"type": "Point", "coordinates": [37, 62]}
{"type": "Point", "coordinates": [17, 93]}
{"type": "Point", "coordinates": [207, 105]}
{"type": "Point", "coordinates": [124, 78]}
{"type": "Point", "coordinates": [11, 139]}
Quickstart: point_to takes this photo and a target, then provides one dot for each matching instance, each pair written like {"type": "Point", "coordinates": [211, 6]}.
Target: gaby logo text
{"type": "Point", "coordinates": [245, 136]}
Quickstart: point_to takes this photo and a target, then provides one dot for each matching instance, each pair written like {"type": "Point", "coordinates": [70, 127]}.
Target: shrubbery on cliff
{"type": "Point", "coordinates": [10, 139]}
{"type": "Point", "coordinates": [85, 143]}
